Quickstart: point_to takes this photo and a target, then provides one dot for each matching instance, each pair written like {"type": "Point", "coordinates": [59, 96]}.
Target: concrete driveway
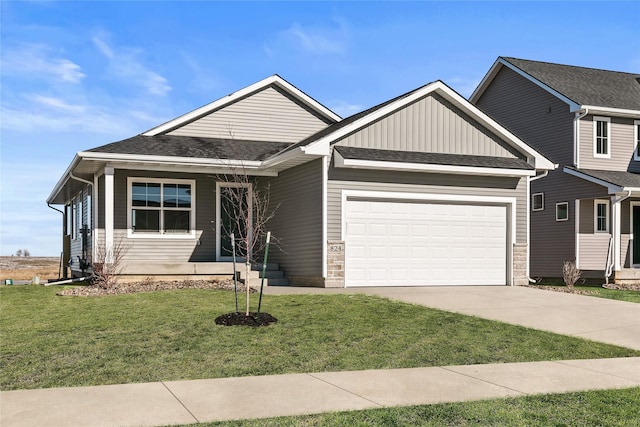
{"type": "Point", "coordinates": [598, 319]}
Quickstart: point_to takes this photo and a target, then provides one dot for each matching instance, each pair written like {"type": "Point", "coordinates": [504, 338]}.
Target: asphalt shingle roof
{"type": "Point", "coordinates": [196, 147]}
{"type": "Point", "coordinates": [432, 158]}
{"type": "Point", "coordinates": [586, 86]}
{"type": "Point", "coordinates": [619, 178]}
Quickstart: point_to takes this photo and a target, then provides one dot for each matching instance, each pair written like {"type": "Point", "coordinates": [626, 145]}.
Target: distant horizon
{"type": "Point", "coordinates": [78, 75]}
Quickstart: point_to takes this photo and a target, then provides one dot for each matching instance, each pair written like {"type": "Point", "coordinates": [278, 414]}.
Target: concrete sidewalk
{"type": "Point", "coordinates": [598, 319]}
{"type": "Point", "coordinates": [185, 402]}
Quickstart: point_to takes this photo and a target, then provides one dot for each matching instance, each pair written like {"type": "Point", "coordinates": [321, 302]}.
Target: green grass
{"type": "Point", "coordinates": [52, 341]}
{"type": "Point", "coordinates": [597, 291]}
{"type": "Point", "coordinates": [592, 408]}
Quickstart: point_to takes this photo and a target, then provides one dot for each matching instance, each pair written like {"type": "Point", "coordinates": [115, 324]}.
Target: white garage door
{"type": "Point", "coordinates": [398, 243]}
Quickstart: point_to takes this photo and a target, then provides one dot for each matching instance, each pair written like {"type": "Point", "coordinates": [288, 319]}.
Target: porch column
{"type": "Point", "coordinates": [108, 214]}
{"type": "Point", "coordinates": [615, 231]}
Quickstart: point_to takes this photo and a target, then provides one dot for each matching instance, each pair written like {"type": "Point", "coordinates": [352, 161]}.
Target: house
{"type": "Point", "coordinates": [424, 189]}
{"type": "Point", "coordinates": [587, 121]}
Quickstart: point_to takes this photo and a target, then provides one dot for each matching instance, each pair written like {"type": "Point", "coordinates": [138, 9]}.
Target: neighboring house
{"type": "Point", "coordinates": [587, 121]}
{"type": "Point", "coordinates": [424, 189]}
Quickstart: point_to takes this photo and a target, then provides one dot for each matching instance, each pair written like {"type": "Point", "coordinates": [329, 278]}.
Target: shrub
{"type": "Point", "coordinates": [570, 273]}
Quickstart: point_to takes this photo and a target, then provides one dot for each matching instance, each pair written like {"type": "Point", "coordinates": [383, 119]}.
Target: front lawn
{"type": "Point", "coordinates": [591, 408]}
{"type": "Point", "coordinates": [53, 341]}
{"type": "Point", "coordinates": [600, 292]}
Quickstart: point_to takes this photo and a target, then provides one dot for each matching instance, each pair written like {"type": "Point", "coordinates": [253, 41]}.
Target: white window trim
{"type": "Point", "coordinates": [558, 205]}
{"type": "Point", "coordinates": [636, 139]}
{"type": "Point", "coordinates": [160, 235]}
{"type": "Point", "coordinates": [533, 208]}
{"type": "Point", "coordinates": [607, 120]}
{"type": "Point", "coordinates": [595, 215]}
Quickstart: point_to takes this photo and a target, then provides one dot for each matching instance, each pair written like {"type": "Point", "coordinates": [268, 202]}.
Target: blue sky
{"type": "Point", "coordinates": [76, 75]}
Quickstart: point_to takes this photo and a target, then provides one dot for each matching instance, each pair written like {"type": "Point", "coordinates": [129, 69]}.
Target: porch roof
{"type": "Point", "coordinates": [432, 158]}
{"type": "Point", "coordinates": [191, 146]}
{"type": "Point", "coordinates": [615, 181]}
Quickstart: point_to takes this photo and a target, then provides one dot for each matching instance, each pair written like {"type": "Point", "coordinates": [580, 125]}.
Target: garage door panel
{"type": "Point", "coordinates": [392, 243]}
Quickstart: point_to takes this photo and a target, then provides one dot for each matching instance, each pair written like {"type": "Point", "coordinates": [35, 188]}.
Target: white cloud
{"type": "Point", "coordinates": [316, 40]}
{"type": "Point", "coordinates": [56, 103]}
{"type": "Point", "coordinates": [345, 109]}
{"type": "Point", "coordinates": [39, 61]}
{"type": "Point", "coordinates": [125, 64]}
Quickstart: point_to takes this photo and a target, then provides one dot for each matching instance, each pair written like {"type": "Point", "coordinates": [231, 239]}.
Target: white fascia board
{"type": "Point", "coordinates": [341, 162]}
{"type": "Point", "coordinates": [540, 162]}
{"type": "Point", "coordinates": [573, 106]}
{"type": "Point", "coordinates": [442, 89]}
{"type": "Point", "coordinates": [611, 188]}
{"type": "Point", "coordinates": [169, 160]}
{"type": "Point", "coordinates": [607, 111]}
{"type": "Point", "coordinates": [486, 80]}
{"type": "Point", "coordinates": [274, 79]}
{"type": "Point", "coordinates": [369, 118]}
{"type": "Point", "coordinates": [280, 158]}
{"type": "Point", "coordinates": [63, 180]}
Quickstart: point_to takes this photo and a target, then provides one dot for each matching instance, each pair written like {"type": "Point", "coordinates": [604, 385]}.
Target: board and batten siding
{"type": "Point", "coordinates": [621, 144]}
{"type": "Point", "coordinates": [199, 249]}
{"type": "Point", "coordinates": [76, 252]}
{"type": "Point", "coordinates": [531, 113]}
{"type": "Point", "coordinates": [297, 194]}
{"type": "Point", "coordinates": [424, 183]}
{"type": "Point", "coordinates": [268, 115]}
{"type": "Point", "coordinates": [432, 125]}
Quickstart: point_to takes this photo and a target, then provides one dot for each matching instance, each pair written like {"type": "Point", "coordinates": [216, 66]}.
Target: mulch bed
{"type": "Point", "coordinates": [241, 319]}
{"type": "Point", "coordinates": [622, 287]}
{"type": "Point", "coordinates": [151, 286]}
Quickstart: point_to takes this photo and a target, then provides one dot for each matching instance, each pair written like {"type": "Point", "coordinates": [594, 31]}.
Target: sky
{"type": "Point", "coordinates": [79, 74]}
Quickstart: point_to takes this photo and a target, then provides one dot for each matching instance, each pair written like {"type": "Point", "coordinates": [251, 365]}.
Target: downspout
{"type": "Point", "coordinates": [576, 135]}
{"type": "Point", "coordinates": [542, 175]}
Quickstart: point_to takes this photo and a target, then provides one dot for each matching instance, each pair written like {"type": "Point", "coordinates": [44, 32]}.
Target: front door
{"type": "Point", "coordinates": [233, 216]}
{"type": "Point", "coordinates": [635, 225]}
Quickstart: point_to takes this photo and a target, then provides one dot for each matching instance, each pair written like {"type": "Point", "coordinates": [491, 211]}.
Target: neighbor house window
{"type": "Point", "coordinates": [601, 133]}
{"type": "Point", "coordinates": [161, 207]}
{"type": "Point", "coordinates": [537, 202]}
{"type": "Point", "coordinates": [562, 211]}
{"type": "Point", "coordinates": [636, 139]}
{"type": "Point", "coordinates": [601, 216]}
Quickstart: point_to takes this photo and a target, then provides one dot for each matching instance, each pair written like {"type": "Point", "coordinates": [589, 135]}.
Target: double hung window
{"type": "Point", "coordinates": [161, 207]}
{"type": "Point", "coordinates": [601, 132]}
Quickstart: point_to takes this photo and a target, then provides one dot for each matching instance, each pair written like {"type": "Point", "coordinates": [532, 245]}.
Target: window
{"type": "Point", "coordinates": [161, 207]}
{"type": "Point", "coordinates": [537, 202]}
{"type": "Point", "coordinates": [601, 137]}
{"type": "Point", "coordinates": [562, 211]}
{"type": "Point", "coordinates": [636, 139]}
{"type": "Point", "coordinates": [601, 216]}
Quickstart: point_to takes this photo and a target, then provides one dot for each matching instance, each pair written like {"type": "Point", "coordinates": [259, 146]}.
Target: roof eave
{"type": "Point", "coordinates": [63, 180]}
{"type": "Point", "coordinates": [341, 162]}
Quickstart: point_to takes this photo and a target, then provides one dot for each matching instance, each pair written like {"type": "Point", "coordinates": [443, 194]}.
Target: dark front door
{"type": "Point", "coordinates": [635, 218]}
{"type": "Point", "coordinates": [234, 214]}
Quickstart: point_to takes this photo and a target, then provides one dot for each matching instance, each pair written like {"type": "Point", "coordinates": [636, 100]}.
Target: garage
{"type": "Point", "coordinates": [390, 242]}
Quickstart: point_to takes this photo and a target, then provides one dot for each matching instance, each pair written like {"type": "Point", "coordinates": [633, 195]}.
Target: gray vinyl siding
{"type": "Point", "coordinates": [621, 143]}
{"type": "Point", "coordinates": [534, 115]}
{"type": "Point", "coordinates": [433, 125]}
{"type": "Point", "coordinates": [399, 182]}
{"type": "Point", "coordinates": [553, 242]}
{"type": "Point", "coordinates": [201, 248]}
{"type": "Point", "coordinates": [268, 115]}
{"type": "Point", "coordinates": [297, 193]}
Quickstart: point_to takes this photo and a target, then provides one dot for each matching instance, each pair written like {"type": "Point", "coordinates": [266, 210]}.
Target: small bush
{"type": "Point", "coordinates": [570, 273]}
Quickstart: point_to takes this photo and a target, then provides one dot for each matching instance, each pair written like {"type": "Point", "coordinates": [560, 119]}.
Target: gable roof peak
{"type": "Point", "coordinates": [272, 80]}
